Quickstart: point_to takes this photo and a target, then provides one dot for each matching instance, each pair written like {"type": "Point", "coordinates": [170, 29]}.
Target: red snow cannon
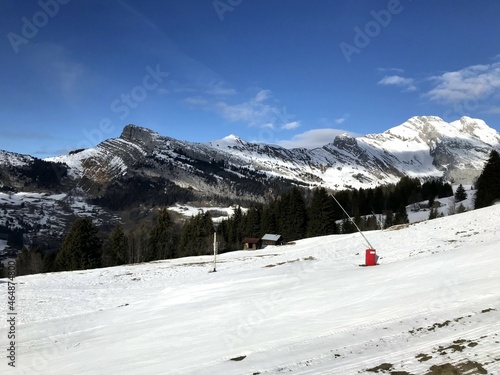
{"type": "Point", "coordinates": [371, 257]}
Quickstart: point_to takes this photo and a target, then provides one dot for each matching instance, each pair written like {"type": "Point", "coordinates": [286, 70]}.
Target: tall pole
{"type": "Point", "coordinates": [215, 251]}
{"type": "Point", "coordinates": [349, 216]}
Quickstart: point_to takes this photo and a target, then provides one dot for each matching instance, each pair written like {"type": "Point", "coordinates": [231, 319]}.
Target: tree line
{"type": "Point", "coordinates": [300, 213]}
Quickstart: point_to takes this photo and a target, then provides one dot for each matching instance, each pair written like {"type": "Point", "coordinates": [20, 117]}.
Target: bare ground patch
{"type": "Point", "coordinates": [289, 261]}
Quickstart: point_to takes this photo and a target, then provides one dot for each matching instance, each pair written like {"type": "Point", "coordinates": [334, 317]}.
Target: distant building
{"type": "Point", "coordinates": [272, 239]}
{"type": "Point", "coordinates": [252, 243]}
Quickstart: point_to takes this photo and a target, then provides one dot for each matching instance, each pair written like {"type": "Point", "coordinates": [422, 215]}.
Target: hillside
{"type": "Point", "coordinates": [306, 308]}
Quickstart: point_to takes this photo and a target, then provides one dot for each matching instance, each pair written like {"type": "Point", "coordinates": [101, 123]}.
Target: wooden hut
{"type": "Point", "coordinates": [252, 243]}
{"type": "Point", "coordinates": [272, 239]}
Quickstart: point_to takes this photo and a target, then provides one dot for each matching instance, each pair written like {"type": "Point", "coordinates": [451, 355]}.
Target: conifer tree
{"type": "Point", "coordinates": [321, 218]}
{"type": "Point", "coordinates": [433, 213]}
{"type": "Point", "coordinates": [379, 200]}
{"type": "Point", "coordinates": [370, 223]}
{"type": "Point", "coordinates": [269, 223]}
{"type": "Point", "coordinates": [401, 216]}
{"type": "Point", "coordinates": [81, 248]}
{"type": "Point", "coordinates": [389, 219]}
{"type": "Point", "coordinates": [294, 217]}
{"type": "Point", "coordinates": [347, 226]}
{"type": "Point", "coordinates": [138, 245]}
{"type": "Point", "coordinates": [197, 235]}
{"type": "Point", "coordinates": [30, 261]}
{"type": "Point", "coordinates": [488, 183]}
{"type": "Point", "coordinates": [460, 194]}
{"type": "Point", "coordinates": [252, 222]}
{"type": "Point", "coordinates": [235, 226]}
{"type": "Point", "coordinates": [162, 238]}
{"type": "Point", "coordinates": [116, 249]}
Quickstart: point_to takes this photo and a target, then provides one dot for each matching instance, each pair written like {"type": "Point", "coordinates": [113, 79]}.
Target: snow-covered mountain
{"type": "Point", "coordinates": [432, 306]}
{"type": "Point", "coordinates": [232, 168]}
{"type": "Point", "coordinates": [421, 147]}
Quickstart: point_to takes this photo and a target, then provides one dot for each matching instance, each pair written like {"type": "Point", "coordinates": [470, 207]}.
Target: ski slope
{"type": "Point", "coordinates": [306, 308]}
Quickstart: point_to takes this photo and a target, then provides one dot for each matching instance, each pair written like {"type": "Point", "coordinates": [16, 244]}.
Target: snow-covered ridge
{"type": "Point", "coordinates": [421, 147]}
{"type": "Point", "coordinates": [14, 159]}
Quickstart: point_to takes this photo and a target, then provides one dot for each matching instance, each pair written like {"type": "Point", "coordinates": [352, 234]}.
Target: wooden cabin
{"type": "Point", "coordinates": [272, 239]}
{"type": "Point", "coordinates": [252, 243]}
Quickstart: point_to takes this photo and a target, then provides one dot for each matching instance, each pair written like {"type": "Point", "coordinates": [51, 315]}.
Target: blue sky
{"type": "Point", "coordinates": [293, 73]}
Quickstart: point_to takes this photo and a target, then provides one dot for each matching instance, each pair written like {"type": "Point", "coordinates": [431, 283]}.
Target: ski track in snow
{"type": "Point", "coordinates": [301, 309]}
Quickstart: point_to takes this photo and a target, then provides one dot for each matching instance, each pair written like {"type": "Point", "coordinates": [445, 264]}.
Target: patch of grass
{"type": "Point", "coordinates": [469, 367]}
{"type": "Point", "coordinates": [237, 359]}
{"type": "Point", "coordinates": [290, 261]}
{"type": "Point", "coordinates": [487, 310]}
{"type": "Point", "coordinates": [423, 357]}
{"type": "Point", "coordinates": [382, 367]}
{"type": "Point", "coordinates": [446, 369]}
{"type": "Point", "coordinates": [457, 346]}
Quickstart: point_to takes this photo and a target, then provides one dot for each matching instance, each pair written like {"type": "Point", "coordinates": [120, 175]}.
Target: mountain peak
{"type": "Point", "coordinates": [232, 137]}
{"type": "Point", "coordinates": [228, 141]}
{"type": "Point", "coordinates": [344, 141]}
{"type": "Point", "coordinates": [477, 128]}
{"type": "Point", "coordinates": [133, 132]}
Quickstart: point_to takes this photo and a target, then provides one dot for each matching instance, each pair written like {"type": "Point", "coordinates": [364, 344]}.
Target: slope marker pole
{"type": "Point", "coordinates": [215, 251]}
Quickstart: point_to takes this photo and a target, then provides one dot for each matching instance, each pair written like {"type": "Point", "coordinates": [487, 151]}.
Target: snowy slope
{"type": "Point", "coordinates": [302, 309]}
{"type": "Point", "coordinates": [217, 213]}
{"type": "Point", "coordinates": [14, 159]}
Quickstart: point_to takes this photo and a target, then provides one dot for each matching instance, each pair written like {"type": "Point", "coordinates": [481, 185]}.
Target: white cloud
{"type": "Point", "coordinates": [56, 68]}
{"type": "Point", "coordinates": [328, 123]}
{"type": "Point", "coordinates": [473, 82]}
{"type": "Point", "coordinates": [314, 138]}
{"type": "Point", "coordinates": [262, 96]}
{"type": "Point", "coordinates": [195, 101]}
{"type": "Point", "coordinates": [393, 70]}
{"type": "Point", "coordinates": [493, 110]}
{"type": "Point", "coordinates": [291, 125]}
{"type": "Point", "coordinates": [252, 112]}
{"type": "Point", "coordinates": [268, 126]}
{"type": "Point", "coordinates": [260, 110]}
{"type": "Point", "coordinates": [145, 19]}
{"type": "Point", "coordinates": [219, 89]}
{"type": "Point", "coordinates": [69, 75]}
{"type": "Point", "coordinates": [406, 83]}
{"type": "Point", "coordinates": [342, 119]}
{"type": "Point", "coordinates": [256, 111]}
{"type": "Point", "coordinates": [26, 134]}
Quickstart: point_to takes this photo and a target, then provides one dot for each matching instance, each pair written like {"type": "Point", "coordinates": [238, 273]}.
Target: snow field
{"type": "Point", "coordinates": [306, 308]}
